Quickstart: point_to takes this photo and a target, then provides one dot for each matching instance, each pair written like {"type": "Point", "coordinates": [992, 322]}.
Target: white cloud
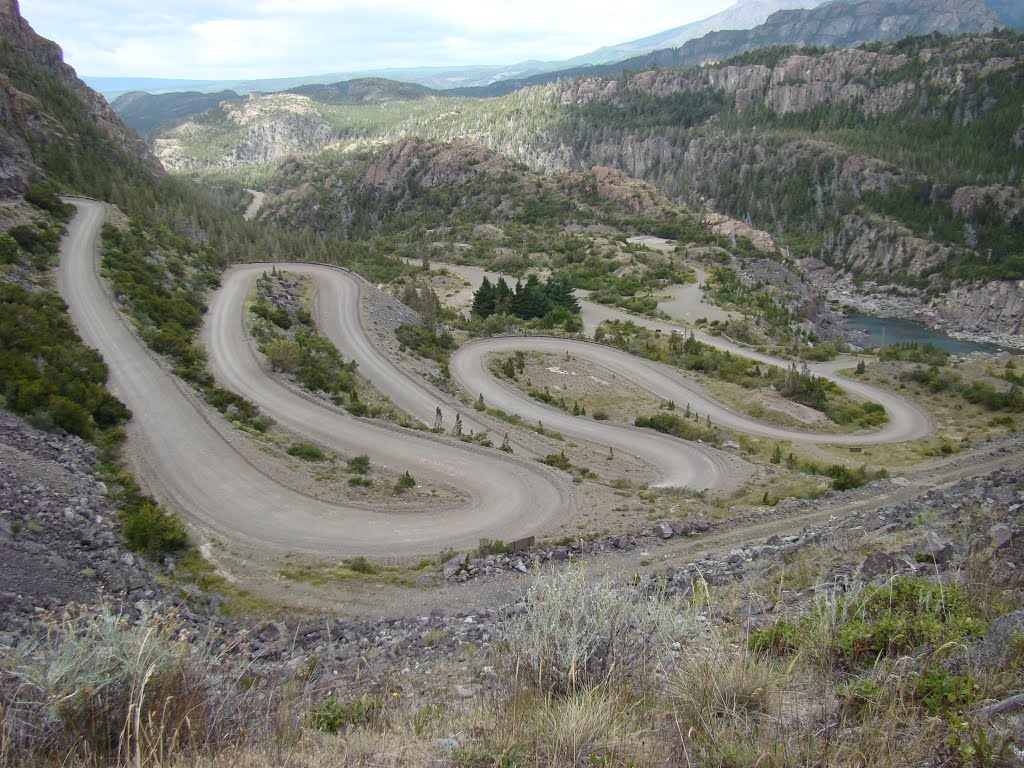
{"type": "Point", "coordinates": [233, 39]}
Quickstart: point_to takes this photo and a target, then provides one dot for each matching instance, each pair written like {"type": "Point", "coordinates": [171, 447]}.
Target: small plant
{"type": "Point", "coordinates": [360, 564]}
{"type": "Point", "coordinates": [405, 482]}
{"type": "Point", "coordinates": [359, 464]}
{"type": "Point", "coordinates": [779, 639]}
{"type": "Point", "coordinates": [360, 482]}
{"type": "Point", "coordinates": [491, 547]}
{"type": "Point", "coordinates": [575, 634]}
{"type": "Point", "coordinates": [306, 452]}
{"type": "Point", "coordinates": [558, 461]}
{"type": "Point", "coordinates": [334, 714]}
{"type": "Point", "coordinates": [96, 691]}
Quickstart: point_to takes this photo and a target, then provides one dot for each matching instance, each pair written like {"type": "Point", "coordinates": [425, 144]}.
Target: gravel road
{"type": "Point", "coordinates": [906, 420]}
{"type": "Point", "coordinates": [188, 465]}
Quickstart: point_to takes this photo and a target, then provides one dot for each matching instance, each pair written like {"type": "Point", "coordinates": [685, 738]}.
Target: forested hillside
{"type": "Point", "coordinates": [900, 162]}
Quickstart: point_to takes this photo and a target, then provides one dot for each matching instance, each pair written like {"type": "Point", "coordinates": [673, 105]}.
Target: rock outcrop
{"type": "Point", "coordinates": [431, 164]}
{"type": "Point", "coordinates": [25, 126]}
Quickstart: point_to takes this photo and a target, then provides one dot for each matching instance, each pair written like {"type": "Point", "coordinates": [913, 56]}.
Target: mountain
{"type": "Point", "coordinates": [1011, 12]}
{"type": "Point", "coordinates": [836, 24]}
{"type": "Point", "coordinates": [144, 111]}
{"type": "Point", "coordinates": [743, 15]}
{"type": "Point", "coordinates": [898, 163]}
{"type": "Point", "coordinates": [367, 90]}
{"type": "Point", "coordinates": [845, 24]}
{"type": "Point", "coordinates": [51, 123]}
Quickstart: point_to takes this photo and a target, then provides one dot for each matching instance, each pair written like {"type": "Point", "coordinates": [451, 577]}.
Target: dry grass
{"type": "Point", "coordinates": [588, 674]}
{"type": "Point", "coordinates": [98, 690]}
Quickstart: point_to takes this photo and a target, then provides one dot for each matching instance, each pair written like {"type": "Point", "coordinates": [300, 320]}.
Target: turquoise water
{"type": "Point", "coordinates": [890, 330]}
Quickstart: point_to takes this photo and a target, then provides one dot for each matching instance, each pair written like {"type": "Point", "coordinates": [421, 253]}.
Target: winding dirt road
{"type": "Point", "coordinates": [906, 421]}
{"type": "Point", "coordinates": [191, 467]}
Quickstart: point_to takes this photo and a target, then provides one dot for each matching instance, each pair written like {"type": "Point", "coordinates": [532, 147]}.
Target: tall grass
{"type": "Point", "coordinates": [100, 690]}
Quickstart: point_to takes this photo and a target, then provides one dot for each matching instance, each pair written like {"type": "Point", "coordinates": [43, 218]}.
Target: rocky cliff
{"type": "Point", "coordinates": [30, 127]}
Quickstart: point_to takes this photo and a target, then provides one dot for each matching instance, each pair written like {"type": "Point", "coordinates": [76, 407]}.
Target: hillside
{"type": "Point", "coordinates": [894, 163]}
{"type": "Point", "coordinates": [51, 123]}
{"type": "Point", "coordinates": [432, 521]}
{"type": "Point", "coordinates": [144, 111]}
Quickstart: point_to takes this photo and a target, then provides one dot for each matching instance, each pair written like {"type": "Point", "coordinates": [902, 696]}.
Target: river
{"type": "Point", "coordinates": [892, 330]}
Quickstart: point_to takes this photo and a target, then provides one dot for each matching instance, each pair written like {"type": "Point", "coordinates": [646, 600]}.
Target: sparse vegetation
{"type": "Point", "coordinates": [306, 452]}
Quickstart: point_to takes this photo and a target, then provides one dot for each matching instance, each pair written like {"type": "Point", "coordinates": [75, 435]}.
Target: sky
{"type": "Point", "coordinates": [249, 39]}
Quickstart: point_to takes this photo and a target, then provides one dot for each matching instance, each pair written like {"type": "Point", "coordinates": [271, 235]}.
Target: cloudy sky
{"type": "Point", "coordinates": [245, 39]}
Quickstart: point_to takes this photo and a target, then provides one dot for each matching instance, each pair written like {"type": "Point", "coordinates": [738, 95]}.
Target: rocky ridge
{"type": "Point", "coordinates": [26, 128]}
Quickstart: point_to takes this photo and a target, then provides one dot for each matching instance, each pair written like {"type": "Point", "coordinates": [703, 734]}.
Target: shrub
{"type": "Point", "coordinates": [359, 464]}
{"type": "Point", "coordinates": [360, 564]}
{"type": "Point", "coordinates": [96, 689]}
{"type": "Point", "coordinates": [905, 615]}
{"type": "Point", "coordinates": [283, 354]}
{"type": "Point", "coordinates": [781, 638]}
{"type": "Point", "coordinates": [405, 482]}
{"type": "Point", "coordinates": [558, 461]}
{"type": "Point", "coordinates": [306, 452]}
{"type": "Point", "coordinates": [149, 529]}
{"type": "Point", "coordinates": [333, 714]}
{"type": "Point", "coordinates": [574, 635]}
{"type": "Point", "coordinates": [491, 547]}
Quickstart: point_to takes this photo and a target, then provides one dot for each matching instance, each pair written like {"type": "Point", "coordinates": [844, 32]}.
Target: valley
{"type": "Point", "coordinates": [510, 415]}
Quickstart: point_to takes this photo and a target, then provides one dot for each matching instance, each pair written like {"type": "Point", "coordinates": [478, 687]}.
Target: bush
{"type": "Point", "coordinates": [905, 615]}
{"type": "Point", "coordinates": [306, 452]}
{"type": "Point", "coordinates": [98, 690]}
{"type": "Point", "coordinates": [777, 640]}
{"type": "Point", "coordinates": [490, 547]}
{"type": "Point", "coordinates": [359, 464]}
{"type": "Point", "coordinates": [333, 714]}
{"type": "Point", "coordinates": [283, 354]}
{"type": "Point", "coordinates": [153, 531]}
{"type": "Point", "coordinates": [360, 564]}
{"type": "Point", "coordinates": [574, 635]}
{"type": "Point", "coordinates": [405, 482]}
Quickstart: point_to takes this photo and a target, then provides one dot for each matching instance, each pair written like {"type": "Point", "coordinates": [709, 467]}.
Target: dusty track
{"type": "Point", "coordinates": [194, 469]}
{"type": "Point", "coordinates": [191, 467]}
{"type": "Point", "coordinates": [906, 421]}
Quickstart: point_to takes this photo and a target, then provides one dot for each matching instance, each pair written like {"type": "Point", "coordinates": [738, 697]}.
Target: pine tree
{"type": "Point", "coordinates": [457, 429]}
{"type": "Point", "coordinates": [438, 420]}
{"type": "Point", "coordinates": [505, 445]}
{"type": "Point", "coordinates": [484, 299]}
{"type": "Point", "coordinates": [777, 454]}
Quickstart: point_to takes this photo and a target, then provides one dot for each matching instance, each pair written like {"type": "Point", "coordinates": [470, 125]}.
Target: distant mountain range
{"type": "Point", "coordinates": [840, 23]}
{"type": "Point", "coordinates": [744, 14]}
{"type": "Point", "coordinates": [837, 24]}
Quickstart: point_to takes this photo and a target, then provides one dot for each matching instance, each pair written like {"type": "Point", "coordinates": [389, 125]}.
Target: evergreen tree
{"type": "Point", "coordinates": [484, 299]}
